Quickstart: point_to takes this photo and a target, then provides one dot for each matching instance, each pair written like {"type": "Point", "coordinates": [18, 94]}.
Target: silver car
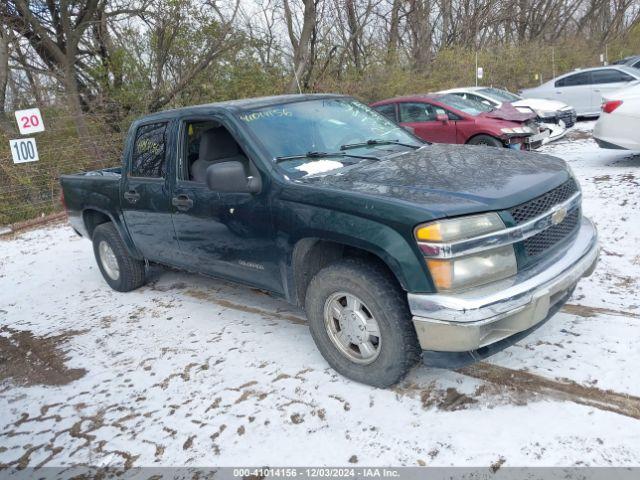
{"type": "Point", "coordinates": [583, 89]}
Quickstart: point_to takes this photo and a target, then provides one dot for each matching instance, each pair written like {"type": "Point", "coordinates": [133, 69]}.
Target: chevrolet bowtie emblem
{"type": "Point", "coordinates": [558, 216]}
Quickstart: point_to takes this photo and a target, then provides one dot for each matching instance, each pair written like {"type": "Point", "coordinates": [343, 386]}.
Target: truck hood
{"type": "Point", "coordinates": [508, 112]}
{"type": "Point", "coordinates": [449, 180]}
{"type": "Point", "coordinates": [540, 104]}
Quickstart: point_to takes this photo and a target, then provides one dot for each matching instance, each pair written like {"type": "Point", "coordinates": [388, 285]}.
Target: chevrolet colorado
{"type": "Point", "coordinates": [393, 247]}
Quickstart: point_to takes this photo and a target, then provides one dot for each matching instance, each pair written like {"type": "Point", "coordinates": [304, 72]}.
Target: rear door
{"type": "Point", "coordinates": [145, 197]}
{"type": "Point", "coordinates": [576, 90]}
{"type": "Point", "coordinates": [421, 117]}
{"type": "Point", "coordinates": [607, 80]}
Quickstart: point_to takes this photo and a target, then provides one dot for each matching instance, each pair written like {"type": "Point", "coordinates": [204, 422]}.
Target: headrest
{"type": "Point", "coordinates": [217, 143]}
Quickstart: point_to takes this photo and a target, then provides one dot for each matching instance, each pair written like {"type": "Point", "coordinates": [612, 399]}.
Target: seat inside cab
{"type": "Point", "coordinates": [209, 143]}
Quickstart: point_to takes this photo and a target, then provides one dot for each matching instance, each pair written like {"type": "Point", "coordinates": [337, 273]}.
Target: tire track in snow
{"type": "Point", "coordinates": [511, 379]}
{"type": "Point", "coordinates": [560, 389]}
{"type": "Point", "coordinates": [589, 312]}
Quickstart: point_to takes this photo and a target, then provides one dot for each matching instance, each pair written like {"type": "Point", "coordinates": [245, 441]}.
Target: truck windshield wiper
{"type": "Point", "coordinates": [314, 154]}
{"type": "Point", "coordinates": [374, 142]}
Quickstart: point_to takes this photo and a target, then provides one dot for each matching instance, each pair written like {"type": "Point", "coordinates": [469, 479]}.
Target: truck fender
{"type": "Point", "coordinates": [118, 222]}
{"type": "Point", "coordinates": [402, 259]}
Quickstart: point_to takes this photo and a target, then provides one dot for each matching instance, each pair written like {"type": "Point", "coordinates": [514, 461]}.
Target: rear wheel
{"type": "Point", "coordinates": [361, 324]}
{"type": "Point", "coordinates": [120, 270]}
{"type": "Point", "coordinates": [485, 140]}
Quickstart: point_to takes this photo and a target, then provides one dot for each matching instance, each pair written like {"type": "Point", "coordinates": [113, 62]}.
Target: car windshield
{"type": "Point", "coordinates": [471, 107]}
{"type": "Point", "coordinates": [320, 127]}
{"type": "Point", "coordinates": [499, 94]}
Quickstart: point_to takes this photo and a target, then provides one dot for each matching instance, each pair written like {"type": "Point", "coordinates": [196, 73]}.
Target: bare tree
{"type": "Point", "coordinates": [5, 124]}
{"type": "Point", "coordinates": [54, 31]}
{"type": "Point", "coordinates": [301, 42]}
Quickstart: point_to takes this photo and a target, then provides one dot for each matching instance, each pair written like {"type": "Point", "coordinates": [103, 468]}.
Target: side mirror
{"type": "Point", "coordinates": [230, 177]}
{"type": "Point", "coordinates": [409, 129]}
{"type": "Point", "coordinates": [442, 117]}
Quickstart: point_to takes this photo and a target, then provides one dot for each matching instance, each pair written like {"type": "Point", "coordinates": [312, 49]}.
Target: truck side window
{"type": "Point", "coordinates": [148, 158]}
{"type": "Point", "coordinates": [208, 142]}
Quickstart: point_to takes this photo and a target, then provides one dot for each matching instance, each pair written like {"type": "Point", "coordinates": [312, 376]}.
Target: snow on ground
{"type": "Point", "coordinates": [194, 371]}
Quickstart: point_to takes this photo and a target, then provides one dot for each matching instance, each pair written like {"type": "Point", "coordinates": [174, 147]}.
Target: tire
{"type": "Point", "coordinates": [383, 300]}
{"type": "Point", "coordinates": [120, 270]}
{"type": "Point", "coordinates": [485, 140]}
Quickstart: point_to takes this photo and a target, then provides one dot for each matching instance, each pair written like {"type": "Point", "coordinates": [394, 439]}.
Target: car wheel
{"type": "Point", "coordinates": [485, 140]}
{"type": "Point", "coordinates": [360, 322]}
{"type": "Point", "coordinates": [120, 270]}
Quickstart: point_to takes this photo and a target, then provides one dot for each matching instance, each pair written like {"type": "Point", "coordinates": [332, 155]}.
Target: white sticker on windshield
{"type": "Point", "coordinates": [319, 166]}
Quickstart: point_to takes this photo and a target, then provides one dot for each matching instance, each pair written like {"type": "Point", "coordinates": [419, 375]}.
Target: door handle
{"type": "Point", "coordinates": [182, 202]}
{"type": "Point", "coordinates": [131, 196]}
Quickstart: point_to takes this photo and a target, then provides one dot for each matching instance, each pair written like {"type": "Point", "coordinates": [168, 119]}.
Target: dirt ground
{"type": "Point", "coordinates": [194, 371]}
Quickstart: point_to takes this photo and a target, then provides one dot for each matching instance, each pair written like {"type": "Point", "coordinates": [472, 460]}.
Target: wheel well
{"type": "Point", "coordinates": [484, 135]}
{"type": "Point", "coordinates": [93, 218]}
{"type": "Point", "coordinates": [311, 255]}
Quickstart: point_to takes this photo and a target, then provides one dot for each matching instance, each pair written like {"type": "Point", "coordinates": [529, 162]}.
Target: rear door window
{"type": "Point", "coordinates": [149, 151]}
{"type": "Point", "coordinates": [610, 76]}
{"type": "Point", "coordinates": [583, 78]}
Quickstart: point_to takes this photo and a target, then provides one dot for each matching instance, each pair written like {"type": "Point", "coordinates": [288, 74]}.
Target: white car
{"type": "Point", "coordinates": [554, 115]}
{"type": "Point", "coordinates": [619, 123]}
{"type": "Point", "coordinates": [583, 89]}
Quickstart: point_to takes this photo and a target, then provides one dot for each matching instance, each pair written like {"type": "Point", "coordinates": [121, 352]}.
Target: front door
{"type": "Point", "coordinates": [422, 118]}
{"type": "Point", "coordinates": [575, 90]}
{"type": "Point", "coordinates": [145, 195]}
{"type": "Point", "coordinates": [230, 235]}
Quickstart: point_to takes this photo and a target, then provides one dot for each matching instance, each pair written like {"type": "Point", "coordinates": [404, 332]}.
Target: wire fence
{"type": "Point", "coordinates": [32, 189]}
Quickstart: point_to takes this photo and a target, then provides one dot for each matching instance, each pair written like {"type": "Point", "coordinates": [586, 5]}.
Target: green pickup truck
{"type": "Point", "coordinates": [395, 248]}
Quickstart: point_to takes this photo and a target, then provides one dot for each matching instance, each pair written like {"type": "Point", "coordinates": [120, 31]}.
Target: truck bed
{"type": "Point", "coordinates": [97, 190]}
{"type": "Point", "coordinates": [104, 172]}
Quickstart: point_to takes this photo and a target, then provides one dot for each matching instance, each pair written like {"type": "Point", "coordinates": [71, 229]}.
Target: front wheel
{"type": "Point", "coordinates": [361, 324]}
{"type": "Point", "coordinates": [485, 140]}
{"type": "Point", "coordinates": [120, 270]}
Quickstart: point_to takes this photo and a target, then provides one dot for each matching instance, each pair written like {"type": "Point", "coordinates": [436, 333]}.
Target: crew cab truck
{"type": "Point", "coordinates": [393, 247]}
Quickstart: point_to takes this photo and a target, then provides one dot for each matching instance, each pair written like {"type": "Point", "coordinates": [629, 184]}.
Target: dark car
{"type": "Point", "coordinates": [391, 246]}
{"type": "Point", "coordinates": [448, 118]}
{"type": "Point", "coordinates": [632, 61]}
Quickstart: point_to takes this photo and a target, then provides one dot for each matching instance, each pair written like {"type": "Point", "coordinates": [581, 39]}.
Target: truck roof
{"type": "Point", "coordinates": [239, 105]}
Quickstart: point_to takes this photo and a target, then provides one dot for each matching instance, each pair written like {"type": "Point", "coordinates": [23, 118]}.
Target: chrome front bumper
{"type": "Point", "coordinates": [479, 317]}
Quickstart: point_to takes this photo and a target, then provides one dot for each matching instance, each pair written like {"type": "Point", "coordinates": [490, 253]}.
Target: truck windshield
{"type": "Point", "coordinates": [318, 126]}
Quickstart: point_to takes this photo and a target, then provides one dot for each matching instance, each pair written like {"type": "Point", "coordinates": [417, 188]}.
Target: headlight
{"type": "Point", "coordinates": [471, 270]}
{"type": "Point", "coordinates": [516, 130]}
{"type": "Point", "coordinates": [544, 114]}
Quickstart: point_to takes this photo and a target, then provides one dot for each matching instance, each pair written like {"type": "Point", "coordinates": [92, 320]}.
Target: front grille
{"type": "Point", "coordinates": [546, 239]}
{"type": "Point", "coordinates": [543, 203]}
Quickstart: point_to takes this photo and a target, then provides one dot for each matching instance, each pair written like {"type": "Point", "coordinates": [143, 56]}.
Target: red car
{"type": "Point", "coordinates": [447, 118]}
